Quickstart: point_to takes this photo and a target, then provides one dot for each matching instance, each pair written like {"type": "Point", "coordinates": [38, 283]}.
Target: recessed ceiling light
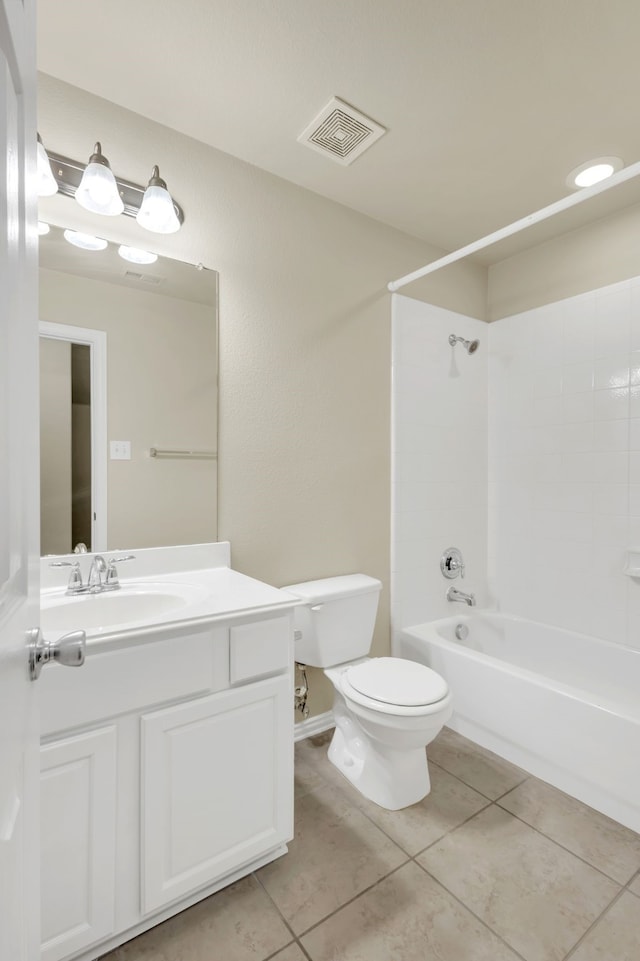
{"type": "Point", "coordinates": [593, 171]}
{"type": "Point", "coordinates": [136, 256]}
{"type": "Point", "coordinates": [43, 228]}
{"type": "Point", "coordinates": [84, 241]}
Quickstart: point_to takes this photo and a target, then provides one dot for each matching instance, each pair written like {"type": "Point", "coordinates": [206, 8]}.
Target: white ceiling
{"type": "Point", "coordinates": [488, 103]}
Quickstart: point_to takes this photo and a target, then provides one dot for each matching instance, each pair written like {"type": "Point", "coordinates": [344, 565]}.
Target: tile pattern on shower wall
{"type": "Point", "coordinates": [564, 462]}
{"type": "Point", "coordinates": [439, 458]}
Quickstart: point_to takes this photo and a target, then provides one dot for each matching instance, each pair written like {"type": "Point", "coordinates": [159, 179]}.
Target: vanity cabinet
{"type": "Point", "coordinates": [167, 773]}
{"type": "Point", "coordinates": [210, 772]}
{"type": "Point", "coordinates": [78, 820]}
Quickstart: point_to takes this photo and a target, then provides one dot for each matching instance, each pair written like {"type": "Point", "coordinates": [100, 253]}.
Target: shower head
{"type": "Point", "coordinates": [469, 345]}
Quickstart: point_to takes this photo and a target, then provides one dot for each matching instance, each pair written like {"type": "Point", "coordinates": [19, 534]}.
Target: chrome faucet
{"type": "Point", "coordinates": [97, 575]}
{"type": "Point", "coordinates": [453, 594]}
{"type": "Point", "coordinates": [103, 575]}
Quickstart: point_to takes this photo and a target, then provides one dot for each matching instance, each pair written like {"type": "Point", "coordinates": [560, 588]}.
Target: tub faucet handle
{"type": "Point", "coordinates": [452, 563]}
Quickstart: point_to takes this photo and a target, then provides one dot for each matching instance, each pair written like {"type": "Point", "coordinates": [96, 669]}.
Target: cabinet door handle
{"type": "Point", "coordinates": [68, 650]}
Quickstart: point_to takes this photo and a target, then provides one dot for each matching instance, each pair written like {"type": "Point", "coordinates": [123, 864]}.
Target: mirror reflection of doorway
{"type": "Point", "coordinates": [68, 419]}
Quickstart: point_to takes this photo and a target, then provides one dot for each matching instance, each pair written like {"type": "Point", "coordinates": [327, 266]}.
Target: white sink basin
{"type": "Point", "coordinates": [112, 609]}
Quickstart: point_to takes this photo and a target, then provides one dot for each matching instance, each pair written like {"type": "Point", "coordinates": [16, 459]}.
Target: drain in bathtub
{"type": "Point", "coordinates": [462, 632]}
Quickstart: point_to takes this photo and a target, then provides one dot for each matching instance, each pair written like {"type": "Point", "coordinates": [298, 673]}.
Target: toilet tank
{"type": "Point", "coordinates": [335, 623]}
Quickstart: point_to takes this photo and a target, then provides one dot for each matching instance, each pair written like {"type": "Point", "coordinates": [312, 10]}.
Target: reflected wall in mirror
{"type": "Point", "coordinates": [158, 323]}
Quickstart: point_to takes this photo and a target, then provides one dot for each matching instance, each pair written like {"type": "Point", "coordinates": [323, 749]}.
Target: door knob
{"type": "Point", "coordinates": [68, 650]}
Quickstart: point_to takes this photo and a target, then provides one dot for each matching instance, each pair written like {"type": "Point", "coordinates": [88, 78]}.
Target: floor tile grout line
{"type": "Point", "coordinates": [466, 907]}
{"type": "Point", "coordinates": [634, 877]}
{"type": "Point", "coordinates": [452, 830]}
{"type": "Point", "coordinates": [477, 790]}
{"type": "Point", "coordinates": [564, 847]}
{"type": "Point", "coordinates": [366, 890]}
{"type": "Point", "coordinates": [286, 923]}
{"type": "Point", "coordinates": [395, 841]}
{"type": "Point", "coordinates": [276, 953]}
{"type": "Point", "coordinates": [596, 921]}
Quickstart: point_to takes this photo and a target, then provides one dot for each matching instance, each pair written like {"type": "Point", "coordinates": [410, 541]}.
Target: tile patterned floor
{"type": "Point", "coordinates": [493, 865]}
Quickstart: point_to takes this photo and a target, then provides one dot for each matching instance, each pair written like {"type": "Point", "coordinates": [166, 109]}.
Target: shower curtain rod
{"type": "Point", "coordinates": [627, 173]}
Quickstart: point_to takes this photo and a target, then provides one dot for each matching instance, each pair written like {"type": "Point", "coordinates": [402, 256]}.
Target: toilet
{"type": "Point", "coordinates": [386, 709]}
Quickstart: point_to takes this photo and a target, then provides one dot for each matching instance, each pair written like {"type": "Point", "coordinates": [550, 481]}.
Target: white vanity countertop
{"type": "Point", "coordinates": [221, 594]}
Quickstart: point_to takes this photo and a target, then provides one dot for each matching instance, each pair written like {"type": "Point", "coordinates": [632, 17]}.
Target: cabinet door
{"type": "Point", "coordinates": [217, 782]}
{"type": "Point", "coordinates": [78, 817]}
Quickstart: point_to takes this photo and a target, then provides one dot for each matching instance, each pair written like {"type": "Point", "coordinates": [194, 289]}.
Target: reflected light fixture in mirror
{"type": "Point", "coordinates": [98, 190]}
{"type": "Point", "coordinates": [136, 256]}
{"type": "Point", "coordinates": [84, 241]}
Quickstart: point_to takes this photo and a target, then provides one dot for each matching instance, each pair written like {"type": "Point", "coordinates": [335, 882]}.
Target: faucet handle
{"type": "Point", "coordinates": [452, 563]}
{"type": "Point", "coordinates": [112, 573]}
{"type": "Point", "coordinates": [75, 577]}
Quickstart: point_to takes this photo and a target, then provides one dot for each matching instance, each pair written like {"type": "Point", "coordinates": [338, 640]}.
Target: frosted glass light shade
{"type": "Point", "coordinates": [98, 191]}
{"type": "Point", "coordinates": [47, 183]}
{"type": "Point", "coordinates": [157, 212]}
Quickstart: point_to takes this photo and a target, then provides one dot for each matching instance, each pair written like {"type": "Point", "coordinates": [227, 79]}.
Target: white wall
{"type": "Point", "coordinates": [564, 464]}
{"type": "Point", "coordinates": [439, 472]}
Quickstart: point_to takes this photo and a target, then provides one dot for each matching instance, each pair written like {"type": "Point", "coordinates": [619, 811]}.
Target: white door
{"type": "Point", "coordinates": [19, 882]}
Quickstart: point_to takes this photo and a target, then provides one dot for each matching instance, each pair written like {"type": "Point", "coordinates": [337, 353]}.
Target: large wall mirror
{"type": "Point", "coordinates": [129, 411]}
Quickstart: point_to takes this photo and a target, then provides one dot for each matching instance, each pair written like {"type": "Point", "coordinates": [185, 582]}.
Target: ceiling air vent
{"type": "Point", "coordinates": [341, 132]}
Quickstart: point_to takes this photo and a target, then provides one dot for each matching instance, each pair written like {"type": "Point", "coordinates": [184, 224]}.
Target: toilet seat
{"type": "Point", "coordinates": [393, 685]}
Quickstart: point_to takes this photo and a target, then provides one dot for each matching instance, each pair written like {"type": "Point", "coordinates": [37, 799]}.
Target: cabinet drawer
{"type": "Point", "coordinates": [132, 678]}
{"type": "Point", "coordinates": [259, 649]}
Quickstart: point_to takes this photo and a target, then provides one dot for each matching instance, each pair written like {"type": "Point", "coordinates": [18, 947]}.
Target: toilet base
{"type": "Point", "coordinates": [388, 776]}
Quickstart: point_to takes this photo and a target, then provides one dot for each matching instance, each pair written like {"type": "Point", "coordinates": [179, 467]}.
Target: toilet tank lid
{"type": "Point", "coordinates": [332, 588]}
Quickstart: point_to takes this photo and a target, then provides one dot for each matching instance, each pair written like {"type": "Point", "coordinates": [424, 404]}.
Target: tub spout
{"type": "Point", "coordinates": [455, 595]}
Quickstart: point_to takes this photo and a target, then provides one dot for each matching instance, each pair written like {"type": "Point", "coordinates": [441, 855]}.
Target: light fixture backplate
{"type": "Point", "coordinates": [68, 174]}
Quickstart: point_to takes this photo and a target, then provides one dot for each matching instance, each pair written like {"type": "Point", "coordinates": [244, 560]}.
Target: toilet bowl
{"type": "Point", "coordinates": [386, 709]}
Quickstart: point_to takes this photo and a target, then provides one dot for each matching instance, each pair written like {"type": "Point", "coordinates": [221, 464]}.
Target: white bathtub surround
{"type": "Point", "coordinates": [439, 457]}
{"type": "Point", "coordinates": [564, 462]}
{"type": "Point", "coordinates": [548, 511]}
{"type": "Point", "coordinates": [557, 440]}
{"type": "Point", "coordinates": [561, 705]}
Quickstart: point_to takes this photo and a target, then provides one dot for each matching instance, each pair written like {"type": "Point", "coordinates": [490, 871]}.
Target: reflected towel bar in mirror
{"type": "Point", "coordinates": [195, 454]}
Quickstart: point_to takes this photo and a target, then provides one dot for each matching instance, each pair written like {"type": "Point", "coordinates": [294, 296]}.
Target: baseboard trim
{"type": "Point", "coordinates": [312, 726]}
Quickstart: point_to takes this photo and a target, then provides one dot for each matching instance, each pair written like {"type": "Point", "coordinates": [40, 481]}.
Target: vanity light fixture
{"type": "Point", "coordinates": [98, 190]}
{"type": "Point", "coordinates": [47, 183]}
{"type": "Point", "coordinates": [84, 241]}
{"type": "Point", "coordinates": [43, 228]}
{"type": "Point", "coordinates": [136, 256]}
{"type": "Point", "coordinates": [157, 212]}
{"type": "Point", "coordinates": [593, 171]}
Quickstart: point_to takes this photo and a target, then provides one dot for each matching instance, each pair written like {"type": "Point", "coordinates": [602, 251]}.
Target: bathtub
{"type": "Point", "coordinates": [563, 706]}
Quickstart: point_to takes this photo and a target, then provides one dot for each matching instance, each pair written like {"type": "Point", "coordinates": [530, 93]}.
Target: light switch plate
{"type": "Point", "coordinates": [120, 449]}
